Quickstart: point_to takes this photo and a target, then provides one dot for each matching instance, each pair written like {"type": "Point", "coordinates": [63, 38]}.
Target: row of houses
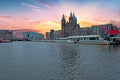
{"type": "Point", "coordinates": [102, 30]}
{"type": "Point", "coordinates": [52, 35]}
{"type": "Point", "coordinates": [97, 29]}
{"type": "Point", "coordinates": [18, 35]}
{"type": "Point", "coordinates": [33, 36]}
{"type": "Point", "coordinates": [6, 35]}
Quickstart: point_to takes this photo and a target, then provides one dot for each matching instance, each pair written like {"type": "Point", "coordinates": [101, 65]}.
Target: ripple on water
{"type": "Point", "coordinates": [58, 61]}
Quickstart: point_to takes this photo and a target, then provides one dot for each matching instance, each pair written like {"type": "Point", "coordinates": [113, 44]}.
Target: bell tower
{"type": "Point", "coordinates": [63, 26]}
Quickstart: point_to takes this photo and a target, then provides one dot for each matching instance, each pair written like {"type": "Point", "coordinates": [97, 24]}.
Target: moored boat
{"type": "Point", "coordinates": [61, 40]}
{"type": "Point", "coordinates": [88, 39]}
{"type": "Point", "coordinates": [5, 41]}
{"type": "Point", "coordinates": [115, 40]}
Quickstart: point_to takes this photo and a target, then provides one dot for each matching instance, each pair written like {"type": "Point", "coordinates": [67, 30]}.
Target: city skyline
{"type": "Point", "coordinates": [43, 15]}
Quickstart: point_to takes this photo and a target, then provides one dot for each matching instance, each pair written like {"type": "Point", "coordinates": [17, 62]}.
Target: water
{"type": "Point", "coordinates": [58, 61]}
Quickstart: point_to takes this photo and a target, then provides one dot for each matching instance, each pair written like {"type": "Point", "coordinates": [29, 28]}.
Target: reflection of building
{"type": "Point", "coordinates": [69, 28]}
{"type": "Point", "coordinates": [33, 36]}
{"type": "Point", "coordinates": [6, 35]}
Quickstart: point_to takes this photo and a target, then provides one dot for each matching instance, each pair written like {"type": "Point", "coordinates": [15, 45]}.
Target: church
{"type": "Point", "coordinates": [69, 28]}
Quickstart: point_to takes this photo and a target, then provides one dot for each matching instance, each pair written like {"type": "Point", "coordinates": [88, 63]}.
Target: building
{"type": "Point", "coordinates": [52, 35]}
{"type": "Point", "coordinates": [6, 35]}
{"type": "Point", "coordinates": [33, 35]}
{"type": "Point", "coordinates": [57, 34]}
{"type": "Point", "coordinates": [102, 29]}
{"type": "Point", "coordinates": [47, 35]}
{"type": "Point", "coordinates": [86, 31]}
{"type": "Point", "coordinates": [119, 32]}
{"type": "Point", "coordinates": [69, 28]}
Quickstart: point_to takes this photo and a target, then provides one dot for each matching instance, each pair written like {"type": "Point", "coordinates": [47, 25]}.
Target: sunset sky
{"type": "Point", "coordinates": [43, 15]}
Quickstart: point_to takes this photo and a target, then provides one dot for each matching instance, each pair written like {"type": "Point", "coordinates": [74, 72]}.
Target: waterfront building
{"type": "Point", "coordinates": [57, 34]}
{"type": "Point", "coordinates": [6, 35]}
{"type": "Point", "coordinates": [86, 31]}
{"type": "Point", "coordinates": [119, 32]}
{"type": "Point", "coordinates": [52, 35]}
{"type": "Point", "coordinates": [33, 35]}
{"type": "Point", "coordinates": [69, 28]}
{"type": "Point", "coordinates": [102, 29]}
{"type": "Point", "coordinates": [47, 35]}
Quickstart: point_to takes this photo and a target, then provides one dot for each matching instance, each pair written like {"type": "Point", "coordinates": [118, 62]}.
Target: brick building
{"type": "Point", "coordinates": [70, 27]}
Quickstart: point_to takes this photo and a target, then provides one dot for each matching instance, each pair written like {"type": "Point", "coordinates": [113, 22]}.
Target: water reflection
{"type": "Point", "coordinates": [69, 57]}
{"type": "Point", "coordinates": [114, 48]}
{"type": "Point", "coordinates": [58, 61]}
{"type": "Point", "coordinates": [109, 48]}
{"type": "Point", "coordinates": [89, 62]}
{"type": "Point", "coordinates": [68, 54]}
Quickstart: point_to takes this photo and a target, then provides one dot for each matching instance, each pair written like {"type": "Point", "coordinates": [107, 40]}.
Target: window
{"type": "Point", "coordinates": [92, 38]}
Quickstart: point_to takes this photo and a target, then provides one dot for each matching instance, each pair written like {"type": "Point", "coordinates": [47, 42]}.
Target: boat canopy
{"type": "Point", "coordinates": [84, 36]}
{"type": "Point", "coordinates": [115, 37]}
{"type": "Point", "coordinates": [62, 38]}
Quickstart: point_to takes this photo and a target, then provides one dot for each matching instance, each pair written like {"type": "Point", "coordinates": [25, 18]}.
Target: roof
{"type": "Point", "coordinates": [115, 37]}
{"type": "Point", "coordinates": [83, 36]}
{"type": "Point", "coordinates": [3, 31]}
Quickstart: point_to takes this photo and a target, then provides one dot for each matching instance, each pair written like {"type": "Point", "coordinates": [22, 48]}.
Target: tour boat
{"type": "Point", "coordinates": [115, 40]}
{"type": "Point", "coordinates": [5, 41]}
{"type": "Point", "coordinates": [61, 40]}
{"type": "Point", "coordinates": [88, 39]}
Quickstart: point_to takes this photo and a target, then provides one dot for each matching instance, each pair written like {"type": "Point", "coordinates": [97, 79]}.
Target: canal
{"type": "Point", "coordinates": [58, 61]}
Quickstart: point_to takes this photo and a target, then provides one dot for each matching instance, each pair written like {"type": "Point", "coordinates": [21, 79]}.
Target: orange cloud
{"type": "Point", "coordinates": [36, 22]}
{"type": "Point", "coordinates": [101, 20]}
{"type": "Point", "coordinates": [116, 23]}
{"type": "Point", "coordinates": [46, 26]}
{"type": "Point", "coordinates": [5, 18]}
{"type": "Point", "coordinates": [86, 23]}
{"type": "Point", "coordinates": [66, 17]}
{"type": "Point", "coordinates": [27, 30]}
{"type": "Point", "coordinates": [31, 21]}
{"type": "Point", "coordinates": [27, 19]}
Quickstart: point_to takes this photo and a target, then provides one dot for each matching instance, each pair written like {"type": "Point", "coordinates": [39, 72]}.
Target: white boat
{"type": "Point", "coordinates": [61, 40]}
{"type": "Point", "coordinates": [88, 39]}
{"type": "Point", "coordinates": [4, 41]}
{"type": "Point", "coordinates": [115, 40]}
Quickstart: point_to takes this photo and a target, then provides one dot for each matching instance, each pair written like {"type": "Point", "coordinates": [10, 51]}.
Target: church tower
{"type": "Point", "coordinates": [71, 23]}
{"type": "Point", "coordinates": [70, 27]}
{"type": "Point", "coordinates": [75, 19]}
{"type": "Point", "coordinates": [63, 26]}
{"type": "Point", "coordinates": [71, 20]}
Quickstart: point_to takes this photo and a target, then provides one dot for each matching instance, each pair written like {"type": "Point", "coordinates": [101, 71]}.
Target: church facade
{"type": "Point", "coordinates": [69, 28]}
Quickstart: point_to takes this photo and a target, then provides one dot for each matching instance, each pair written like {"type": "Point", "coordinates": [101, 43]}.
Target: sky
{"type": "Point", "coordinates": [44, 15]}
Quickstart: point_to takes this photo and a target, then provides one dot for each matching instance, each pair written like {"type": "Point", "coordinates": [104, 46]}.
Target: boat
{"type": "Point", "coordinates": [88, 39]}
{"type": "Point", "coordinates": [61, 40]}
{"type": "Point", "coordinates": [115, 40]}
{"type": "Point", "coordinates": [5, 41]}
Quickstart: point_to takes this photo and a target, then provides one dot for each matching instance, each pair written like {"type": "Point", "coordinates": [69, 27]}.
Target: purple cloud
{"type": "Point", "coordinates": [33, 7]}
